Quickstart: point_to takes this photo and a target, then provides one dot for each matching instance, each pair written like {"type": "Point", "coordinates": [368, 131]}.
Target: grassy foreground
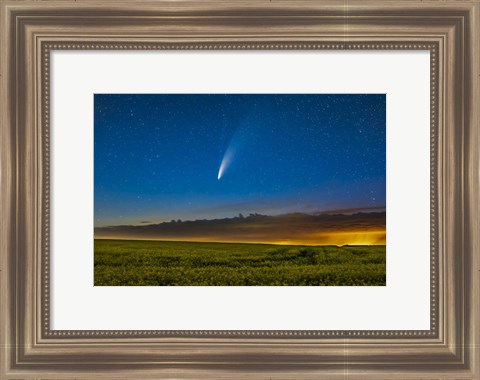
{"type": "Point", "coordinates": [159, 263]}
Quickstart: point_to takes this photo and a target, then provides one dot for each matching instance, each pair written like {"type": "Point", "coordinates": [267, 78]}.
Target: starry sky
{"type": "Point", "coordinates": [158, 157]}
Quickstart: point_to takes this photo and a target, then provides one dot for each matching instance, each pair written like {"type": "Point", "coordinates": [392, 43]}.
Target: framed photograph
{"type": "Point", "coordinates": [222, 189]}
{"type": "Point", "coordinates": [264, 198]}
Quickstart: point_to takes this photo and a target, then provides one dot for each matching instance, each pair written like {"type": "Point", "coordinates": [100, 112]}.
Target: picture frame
{"type": "Point", "coordinates": [31, 30]}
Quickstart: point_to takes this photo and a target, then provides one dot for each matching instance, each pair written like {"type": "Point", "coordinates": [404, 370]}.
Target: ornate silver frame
{"type": "Point", "coordinates": [31, 30]}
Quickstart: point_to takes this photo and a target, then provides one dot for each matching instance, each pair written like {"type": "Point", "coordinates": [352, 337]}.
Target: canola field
{"type": "Point", "coordinates": [167, 263]}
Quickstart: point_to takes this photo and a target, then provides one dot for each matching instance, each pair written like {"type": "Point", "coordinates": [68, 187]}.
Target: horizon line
{"type": "Point", "coordinates": [234, 242]}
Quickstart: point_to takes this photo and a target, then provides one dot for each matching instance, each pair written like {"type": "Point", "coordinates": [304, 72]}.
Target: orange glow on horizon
{"type": "Point", "coordinates": [368, 237]}
{"type": "Point", "coordinates": [339, 238]}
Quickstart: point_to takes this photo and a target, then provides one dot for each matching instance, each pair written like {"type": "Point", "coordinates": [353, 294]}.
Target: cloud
{"type": "Point", "coordinates": [354, 210]}
{"type": "Point", "coordinates": [276, 207]}
{"type": "Point", "coordinates": [294, 228]}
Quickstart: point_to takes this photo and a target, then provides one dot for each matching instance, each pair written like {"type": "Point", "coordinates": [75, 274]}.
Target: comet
{"type": "Point", "coordinates": [239, 140]}
{"type": "Point", "coordinates": [227, 159]}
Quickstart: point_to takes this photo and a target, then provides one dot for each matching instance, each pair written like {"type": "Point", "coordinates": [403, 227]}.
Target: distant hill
{"type": "Point", "coordinates": [293, 228]}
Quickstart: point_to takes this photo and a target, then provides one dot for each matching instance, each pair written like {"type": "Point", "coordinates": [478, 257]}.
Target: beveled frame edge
{"type": "Point", "coordinates": [30, 350]}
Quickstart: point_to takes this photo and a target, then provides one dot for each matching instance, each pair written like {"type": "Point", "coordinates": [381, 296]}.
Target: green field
{"type": "Point", "coordinates": [161, 263]}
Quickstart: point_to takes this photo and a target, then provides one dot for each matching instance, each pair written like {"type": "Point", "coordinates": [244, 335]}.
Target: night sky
{"type": "Point", "coordinates": [159, 157]}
